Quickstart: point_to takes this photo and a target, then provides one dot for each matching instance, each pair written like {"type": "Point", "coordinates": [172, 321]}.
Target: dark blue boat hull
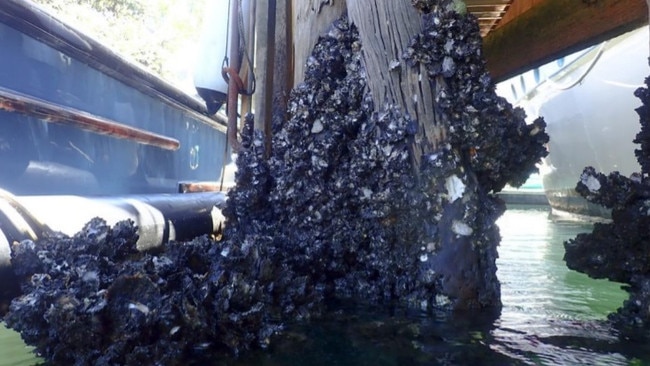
{"type": "Point", "coordinates": [42, 154]}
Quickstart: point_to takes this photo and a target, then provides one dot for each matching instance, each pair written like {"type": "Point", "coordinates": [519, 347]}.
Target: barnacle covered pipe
{"type": "Point", "coordinates": [159, 219]}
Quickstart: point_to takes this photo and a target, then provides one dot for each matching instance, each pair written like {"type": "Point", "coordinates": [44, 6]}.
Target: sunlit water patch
{"type": "Point", "coordinates": [550, 316]}
{"type": "Point", "coordinates": [13, 352]}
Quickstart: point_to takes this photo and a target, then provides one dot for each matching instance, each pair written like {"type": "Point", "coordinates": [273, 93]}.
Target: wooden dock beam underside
{"type": "Point", "coordinates": [549, 29]}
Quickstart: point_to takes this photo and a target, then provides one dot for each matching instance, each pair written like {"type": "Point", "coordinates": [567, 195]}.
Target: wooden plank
{"type": "Point", "coordinates": [385, 29]}
{"type": "Point", "coordinates": [264, 61]}
{"type": "Point", "coordinates": [516, 9]}
{"type": "Point", "coordinates": [282, 67]}
{"type": "Point", "coordinates": [310, 19]}
{"type": "Point", "coordinates": [488, 14]}
{"type": "Point", "coordinates": [554, 28]}
{"type": "Point", "coordinates": [491, 3]}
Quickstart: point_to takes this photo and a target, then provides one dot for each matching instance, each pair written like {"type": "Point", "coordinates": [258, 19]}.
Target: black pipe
{"type": "Point", "coordinates": [160, 218]}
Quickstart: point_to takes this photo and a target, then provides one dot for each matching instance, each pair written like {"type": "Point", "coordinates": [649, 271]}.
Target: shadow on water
{"type": "Point", "coordinates": [357, 335]}
{"type": "Point", "coordinates": [550, 316]}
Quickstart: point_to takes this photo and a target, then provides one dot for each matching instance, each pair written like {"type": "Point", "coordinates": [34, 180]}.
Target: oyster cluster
{"type": "Point", "coordinates": [93, 299]}
{"type": "Point", "coordinates": [337, 198]}
{"type": "Point", "coordinates": [618, 250]}
{"type": "Point", "coordinates": [347, 207]}
{"type": "Point", "coordinates": [337, 210]}
{"type": "Point", "coordinates": [491, 136]}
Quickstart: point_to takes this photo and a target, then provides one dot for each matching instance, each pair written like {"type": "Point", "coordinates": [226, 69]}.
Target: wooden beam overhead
{"type": "Point", "coordinates": [479, 8]}
{"type": "Point", "coordinates": [517, 8]}
{"type": "Point", "coordinates": [488, 20]}
{"type": "Point", "coordinates": [487, 2]}
{"type": "Point", "coordinates": [554, 28]}
{"type": "Point", "coordinates": [488, 12]}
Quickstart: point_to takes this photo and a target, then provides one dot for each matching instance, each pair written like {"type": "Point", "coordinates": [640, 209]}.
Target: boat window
{"type": "Point", "coordinates": [514, 91]}
{"type": "Point", "coordinates": [536, 75]}
{"type": "Point", "coordinates": [523, 83]}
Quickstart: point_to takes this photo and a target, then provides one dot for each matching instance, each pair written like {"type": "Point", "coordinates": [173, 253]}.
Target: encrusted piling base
{"type": "Point", "coordinates": [93, 299]}
{"type": "Point", "coordinates": [345, 203]}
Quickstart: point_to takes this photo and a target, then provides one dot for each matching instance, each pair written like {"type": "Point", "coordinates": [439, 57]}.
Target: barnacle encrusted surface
{"type": "Point", "coordinates": [337, 211]}
{"type": "Point", "coordinates": [619, 250]}
{"type": "Point", "coordinates": [493, 137]}
{"type": "Point", "coordinates": [93, 299]}
{"type": "Point", "coordinates": [346, 205]}
{"type": "Point", "coordinates": [339, 202]}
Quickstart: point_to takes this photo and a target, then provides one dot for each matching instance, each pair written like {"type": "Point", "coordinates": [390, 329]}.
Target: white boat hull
{"type": "Point", "coordinates": [589, 107]}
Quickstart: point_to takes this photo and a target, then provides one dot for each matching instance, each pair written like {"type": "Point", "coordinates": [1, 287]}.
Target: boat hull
{"type": "Point", "coordinates": [76, 118]}
{"type": "Point", "coordinates": [589, 107]}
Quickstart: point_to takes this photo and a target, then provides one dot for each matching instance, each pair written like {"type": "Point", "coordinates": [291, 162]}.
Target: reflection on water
{"type": "Point", "coordinates": [550, 316]}
{"type": "Point", "coordinates": [535, 279]}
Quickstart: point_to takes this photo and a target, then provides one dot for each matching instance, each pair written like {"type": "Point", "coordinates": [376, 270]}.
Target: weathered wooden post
{"type": "Point", "coordinates": [248, 62]}
{"type": "Point", "coordinates": [274, 76]}
{"type": "Point", "coordinates": [385, 33]}
{"type": "Point", "coordinates": [417, 61]}
{"type": "Point", "coordinates": [282, 67]}
{"type": "Point", "coordinates": [465, 276]}
{"type": "Point", "coordinates": [309, 20]}
{"type": "Point", "coordinates": [265, 55]}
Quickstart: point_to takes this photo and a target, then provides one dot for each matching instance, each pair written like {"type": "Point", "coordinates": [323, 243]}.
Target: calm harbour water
{"type": "Point", "coordinates": [550, 316]}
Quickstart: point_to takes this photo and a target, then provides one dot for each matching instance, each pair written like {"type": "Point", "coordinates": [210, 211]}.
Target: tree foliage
{"type": "Point", "coordinates": [113, 7]}
{"type": "Point", "coordinates": [152, 33]}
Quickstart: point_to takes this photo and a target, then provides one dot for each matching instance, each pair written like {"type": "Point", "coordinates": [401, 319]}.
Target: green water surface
{"type": "Point", "coordinates": [550, 316]}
